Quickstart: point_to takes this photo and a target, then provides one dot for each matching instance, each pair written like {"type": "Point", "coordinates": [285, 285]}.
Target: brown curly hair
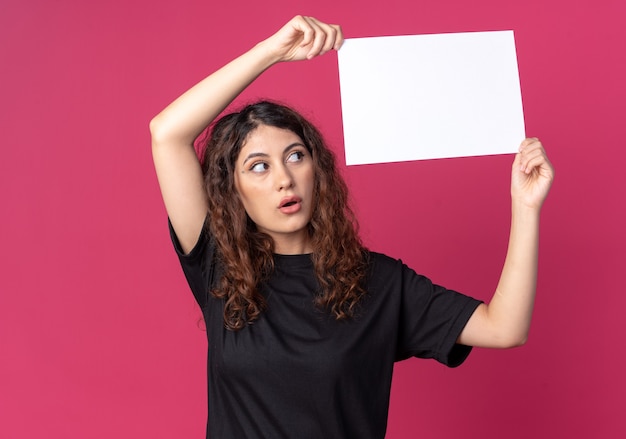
{"type": "Point", "coordinates": [246, 254]}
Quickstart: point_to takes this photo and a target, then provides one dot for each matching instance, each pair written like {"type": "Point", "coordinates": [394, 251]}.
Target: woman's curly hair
{"type": "Point", "coordinates": [246, 254]}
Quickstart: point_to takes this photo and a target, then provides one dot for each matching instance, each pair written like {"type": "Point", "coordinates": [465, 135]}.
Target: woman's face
{"type": "Point", "coordinates": [274, 178]}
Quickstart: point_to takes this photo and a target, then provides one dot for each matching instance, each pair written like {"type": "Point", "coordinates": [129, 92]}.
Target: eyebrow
{"type": "Point", "coordinates": [262, 154]}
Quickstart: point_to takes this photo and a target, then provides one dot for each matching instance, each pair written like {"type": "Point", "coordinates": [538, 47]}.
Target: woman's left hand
{"type": "Point", "coordinates": [532, 174]}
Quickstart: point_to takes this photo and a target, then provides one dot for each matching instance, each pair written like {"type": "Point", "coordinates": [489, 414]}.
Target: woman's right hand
{"type": "Point", "coordinates": [303, 38]}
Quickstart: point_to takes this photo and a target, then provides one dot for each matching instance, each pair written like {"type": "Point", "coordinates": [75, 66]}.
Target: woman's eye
{"type": "Point", "coordinates": [295, 156]}
{"type": "Point", "coordinates": [259, 167]}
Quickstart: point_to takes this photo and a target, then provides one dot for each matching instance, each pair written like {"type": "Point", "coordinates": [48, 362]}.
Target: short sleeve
{"type": "Point", "coordinates": [198, 265]}
{"type": "Point", "coordinates": [431, 318]}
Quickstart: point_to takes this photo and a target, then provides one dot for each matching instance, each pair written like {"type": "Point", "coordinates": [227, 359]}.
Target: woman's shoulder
{"type": "Point", "coordinates": [382, 258]}
{"type": "Point", "coordinates": [380, 262]}
{"type": "Point", "coordinates": [391, 269]}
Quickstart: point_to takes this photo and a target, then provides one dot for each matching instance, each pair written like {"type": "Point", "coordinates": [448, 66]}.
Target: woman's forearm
{"type": "Point", "coordinates": [512, 304]}
{"type": "Point", "coordinates": [185, 118]}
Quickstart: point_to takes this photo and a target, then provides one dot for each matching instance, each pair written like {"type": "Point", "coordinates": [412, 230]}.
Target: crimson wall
{"type": "Point", "coordinates": [99, 335]}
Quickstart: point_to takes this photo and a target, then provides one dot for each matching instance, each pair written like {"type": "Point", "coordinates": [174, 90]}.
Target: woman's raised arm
{"type": "Point", "coordinates": [177, 126]}
{"type": "Point", "coordinates": [505, 321]}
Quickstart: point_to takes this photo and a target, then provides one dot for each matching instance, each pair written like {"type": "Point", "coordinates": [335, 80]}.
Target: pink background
{"type": "Point", "coordinates": [98, 330]}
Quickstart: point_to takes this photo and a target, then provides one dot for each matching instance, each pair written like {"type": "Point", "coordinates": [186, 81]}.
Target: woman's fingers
{"type": "Point", "coordinates": [326, 37]}
{"type": "Point", "coordinates": [532, 174]}
{"type": "Point", "coordinates": [318, 37]}
{"type": "Point", "coordinates": [532, 155]}
{"type": "Point", "coordinates": [314, 38]}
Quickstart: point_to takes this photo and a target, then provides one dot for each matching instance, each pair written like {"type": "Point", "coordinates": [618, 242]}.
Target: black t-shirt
{"type": "Point", "coordinates": [297, 372]}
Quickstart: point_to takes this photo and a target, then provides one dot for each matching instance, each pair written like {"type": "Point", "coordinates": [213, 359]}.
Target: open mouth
{"type": "Point", "coordinates": [289, 202]}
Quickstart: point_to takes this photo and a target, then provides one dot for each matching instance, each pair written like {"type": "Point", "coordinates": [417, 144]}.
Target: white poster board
{"type": "Point", "coordinates": [430, 96]}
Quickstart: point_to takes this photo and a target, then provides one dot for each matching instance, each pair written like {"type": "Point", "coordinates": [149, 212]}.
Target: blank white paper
{"type": "Point", "coordinates": [430, 96]}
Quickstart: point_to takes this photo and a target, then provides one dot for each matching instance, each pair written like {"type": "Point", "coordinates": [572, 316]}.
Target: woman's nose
{"type": "Point", "coordinates": [284, 179]}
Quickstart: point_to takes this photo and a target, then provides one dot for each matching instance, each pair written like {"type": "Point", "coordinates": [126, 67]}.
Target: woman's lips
{"type": "Point", "coordinates": [289, 205]}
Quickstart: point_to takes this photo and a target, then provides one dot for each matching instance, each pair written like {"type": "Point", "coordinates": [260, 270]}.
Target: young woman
{"type": "Point", "coordinates": [304, 323]}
